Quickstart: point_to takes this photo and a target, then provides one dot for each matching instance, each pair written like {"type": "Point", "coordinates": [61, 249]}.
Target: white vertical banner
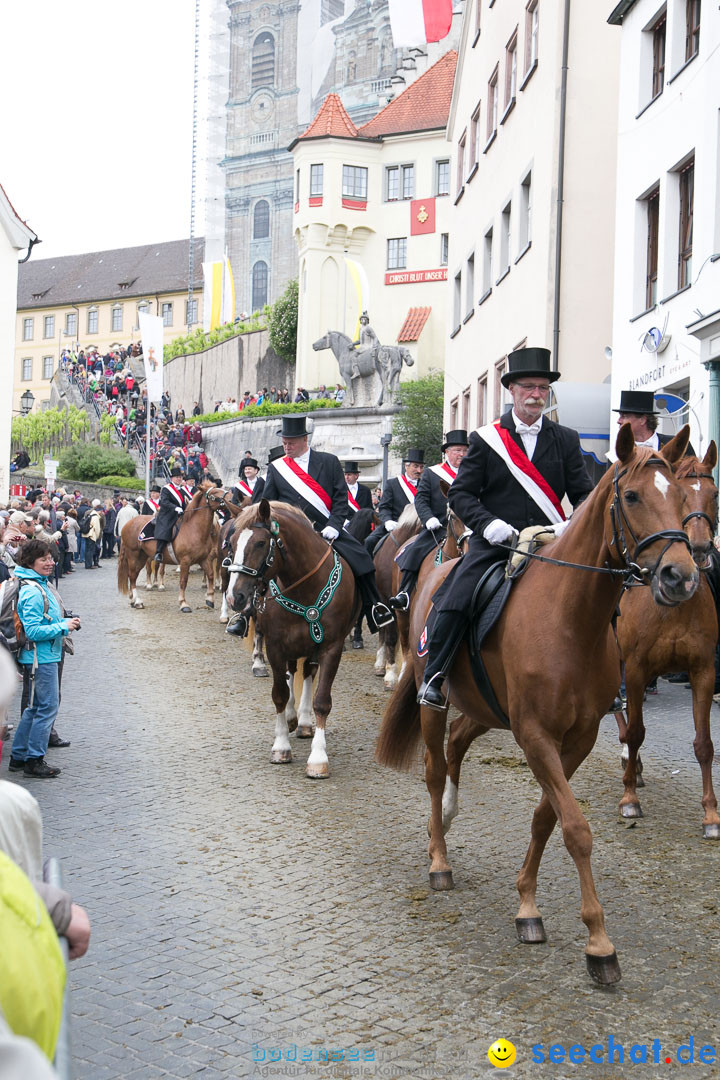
{"type": "Point", "coordinates": [151, 333]}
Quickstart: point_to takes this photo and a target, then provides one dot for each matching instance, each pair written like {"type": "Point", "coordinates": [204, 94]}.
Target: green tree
{"type": "Point", "coordinates": [85, 461]}
{"type": "Point", "coordinates": [282, 320]}
{"type": "Point", "coordinates": [421, 421]}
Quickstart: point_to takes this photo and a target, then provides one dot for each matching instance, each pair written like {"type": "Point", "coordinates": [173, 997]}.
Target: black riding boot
{"type": "Point", "coordinates": [443, 643]}
{"type": "Point", "coordinates": [376, 613]}
{"type": "Point", "coordinates": [159, 549]}
{"type": "Point", "coordinates": [401, 600]}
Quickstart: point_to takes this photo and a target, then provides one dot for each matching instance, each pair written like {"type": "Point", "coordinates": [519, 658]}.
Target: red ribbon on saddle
{"type": "Point", "coordinates": [520, 459]}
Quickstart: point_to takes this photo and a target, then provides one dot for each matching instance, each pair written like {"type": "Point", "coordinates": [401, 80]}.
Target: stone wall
{"type": "Point", "coordinates": [245, 362]}
{"type": "Point", "coordinates": [349, 433]}
{"type": "Point", "coordinates": [93, 491]}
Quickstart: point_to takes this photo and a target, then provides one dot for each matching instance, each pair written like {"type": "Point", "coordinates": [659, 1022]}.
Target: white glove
{"type": "Point", "coordinates": [433, 523]}
{"type": "Point", "coordinates": [498, 531]}
{"type": "Point", "coordinates": [560, 527]}
{"type": "Point", "coordinates": [390, 525]}
{"type": "Point", "coordinates": [330, 533]}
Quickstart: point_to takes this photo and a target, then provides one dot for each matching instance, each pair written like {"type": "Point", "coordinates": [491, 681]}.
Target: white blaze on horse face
{"type": "Point", "coordinates": [695, 487]}
{"type": "Point", "coordinates": [661, 483]}
{"type": "Point", "coordinates": [238, 559]}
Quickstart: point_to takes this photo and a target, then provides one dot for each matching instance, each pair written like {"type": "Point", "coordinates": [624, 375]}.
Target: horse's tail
{"type": "Point", "coordinates": [123, 576]}
{"type": "Point", "coordinates": [400, 731]}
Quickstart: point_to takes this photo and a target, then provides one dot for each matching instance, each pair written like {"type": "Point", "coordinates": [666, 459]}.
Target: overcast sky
{"type": "Point", "coordinates": [96, 120]}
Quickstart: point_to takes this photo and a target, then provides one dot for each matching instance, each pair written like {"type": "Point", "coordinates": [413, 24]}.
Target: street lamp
{"type": "Point", "coordinates": [27, 401]}
{"type": "Point", "coordinates": [385, 440]}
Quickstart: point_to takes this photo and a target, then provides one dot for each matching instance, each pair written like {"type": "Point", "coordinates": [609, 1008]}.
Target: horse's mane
{"type": "Point", "coordinates": [687, 465]}
{"type": "Point", "coordinates": [408, 524]}
{"type": "Point", "coordinates": [196, 501]}
{"type": "Point", "coordinates": [251, 514]}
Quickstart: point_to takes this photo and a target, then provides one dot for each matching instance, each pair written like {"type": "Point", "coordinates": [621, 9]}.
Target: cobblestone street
{"type": "Point", "coordinates": [239, 909]}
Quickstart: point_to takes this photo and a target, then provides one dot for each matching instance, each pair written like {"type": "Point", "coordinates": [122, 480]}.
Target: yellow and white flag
{"type": "Point", "coordinates": [362, 289]}
{"type": "Point", "coordinates": [218, 294]}
{"type": "Point", "coordinates": [151, 334]}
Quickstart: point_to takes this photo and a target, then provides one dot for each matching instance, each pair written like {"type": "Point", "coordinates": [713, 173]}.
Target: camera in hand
{"type": "Point", "coordinates": [72, 615]}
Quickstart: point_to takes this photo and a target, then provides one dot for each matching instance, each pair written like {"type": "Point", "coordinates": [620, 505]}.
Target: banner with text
{"type": "Point", "coordinates": [151, 333]}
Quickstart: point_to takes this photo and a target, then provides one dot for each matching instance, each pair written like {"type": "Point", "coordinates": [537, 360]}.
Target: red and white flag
{"type": "Point", "coordinates": [415, 22]}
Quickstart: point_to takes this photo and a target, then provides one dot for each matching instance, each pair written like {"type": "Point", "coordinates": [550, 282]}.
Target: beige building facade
{"type": "Point", "coordinates": [92, 302]}
{"type": "Point", "coordinates": [371, 210]}
{"type": "Point", "coordinates": [533, 205]}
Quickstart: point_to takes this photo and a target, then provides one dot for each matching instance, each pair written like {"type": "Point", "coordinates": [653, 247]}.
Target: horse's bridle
{"type": "Point", "coordinates": [700, 513]}
{"type": "Point", "coordinates": [268, 562]}
{"type": "Point", "coordinates": [620, 522]}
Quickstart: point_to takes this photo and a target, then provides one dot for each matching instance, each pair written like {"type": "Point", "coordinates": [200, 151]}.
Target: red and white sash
{"type": "Point", "coordinates": [244, 488]}
{"type": "Point", "coordinates": [304, 484]}
{"type": "Point", "coordinates": [408, 487]}
{"type": "Point", "coordinates": [155, 505]}
{"type": "Point", "coordinates": [522, 469]}
{"type": "Point", "coordinates": [444, 471]}
{"type": "Point", "coordinates": [352, 501]}
{"type": "Point", "coordinates": [176, 493]}
{"type": "Point", "coordinates": [187, 491]}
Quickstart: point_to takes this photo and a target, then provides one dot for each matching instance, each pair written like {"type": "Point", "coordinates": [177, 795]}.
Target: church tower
{"type": "Point", "coordinates": [262, 122]}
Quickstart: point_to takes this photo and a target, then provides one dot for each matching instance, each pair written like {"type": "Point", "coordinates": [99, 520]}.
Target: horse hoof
{"type": "Point", "coordinates": [304, 731]}
{"type": "Point", "coordinates": [441, 880]}
{"type": "Point", "coordinates": [604, 970]}
{"type": "Point", "coordinates": [138, 606]}
{"type": "Point", "coordinates": [380, 674]}
{"type": "Point", "coordinates": [711, 832]}
{"type": "Point", "coordinates": [292, 724]}
{"type": "Point", "coordinates": [281, 757]}
{"type": "Point", "coordinates": [224, 618]}
{"type": "Point", "coordinates": [186, 609]}
{"type": "Point", "coordinates": [210, 603]}
{"type": "Point", "coordinates": [261, 673]}
{"type": "Point", "coordinates": [530, 931]}
{"type": "Point", "coordinates": [148, 588]}
{"type": "Point", "coordinates": [161, 588]}
{"type": "Point", "coordinates": [319, 771]}
{"type": "Point", "coordinates": [631, 810]}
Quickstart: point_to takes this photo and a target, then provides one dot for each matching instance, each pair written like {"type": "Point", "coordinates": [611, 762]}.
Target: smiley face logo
{"type": "Point", "coordinates": [501, 1054]}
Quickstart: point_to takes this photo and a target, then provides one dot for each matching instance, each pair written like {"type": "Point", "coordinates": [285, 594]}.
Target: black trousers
{"type": "Point", "coordinates": [108, 545]}
{"type": "Point", "coordinates": [456, 592]}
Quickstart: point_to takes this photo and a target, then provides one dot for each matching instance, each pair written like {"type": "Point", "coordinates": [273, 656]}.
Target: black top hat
{"type": "Point", "coordinates": [640, 402]}
{"type": "Point", "coordinates": [351, 466]}
{"type": "Point", "coordinates": [275, 452]}
{"type": "Point", "coordinates": [529, 362]}
{"type": "Point", "coordinates": [293, 427]}
{"type": "Point", "coordinates": [176, 471]}
{"type": "Point", "coordinates": [413, 454]}
{"type": "Point", "coordinates": [155, 488]}
{"type": "Point", "coordinates": [245, 462]}
{"type": "Point", "coordinates": [458, 437]}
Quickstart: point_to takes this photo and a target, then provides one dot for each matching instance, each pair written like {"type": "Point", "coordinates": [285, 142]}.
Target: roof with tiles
{"type": "Point", "coordinates": [414, 323]}
{"type": "Point", "coordinates": [332, 120]}
{"type": "Point", "coordinates": [424, 106]}
{"type": "Point", "coordinates": [107, 275]}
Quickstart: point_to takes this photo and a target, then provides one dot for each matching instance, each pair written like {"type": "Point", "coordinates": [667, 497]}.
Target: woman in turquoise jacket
{"type": "Point", "coordinates": [42, 619]}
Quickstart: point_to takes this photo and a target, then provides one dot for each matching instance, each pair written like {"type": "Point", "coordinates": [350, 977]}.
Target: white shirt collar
{"type": "Point", "coordinates": [304, 460]}
{"type": "Point", "coordinates": [353, 488]}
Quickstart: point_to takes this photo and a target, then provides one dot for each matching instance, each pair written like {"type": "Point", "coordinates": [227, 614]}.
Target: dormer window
{"type": "Point", "coordinates": [126, 284]}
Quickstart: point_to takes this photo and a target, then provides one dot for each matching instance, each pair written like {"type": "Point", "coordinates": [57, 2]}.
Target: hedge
{"type": "Point", "coordinates": [133, 483]}
{"type": "Point", "coordinates": [268, 409]}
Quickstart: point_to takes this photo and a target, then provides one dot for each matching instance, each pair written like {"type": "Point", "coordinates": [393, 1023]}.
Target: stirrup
{"type": "Point", "coordinates": [422, 698]}
{"type": "Point", "coordinates": [401, 601]}
{"type": "Point", "coordinates": [381, 614]}
{"type": "Point", "coordinates": [237, 625]}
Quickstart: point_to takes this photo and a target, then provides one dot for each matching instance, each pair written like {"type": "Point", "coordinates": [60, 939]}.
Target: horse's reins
{"type": "Point", "coordinates": [633, 573]}
{"type": "Point", "coordinates": [268, 561]}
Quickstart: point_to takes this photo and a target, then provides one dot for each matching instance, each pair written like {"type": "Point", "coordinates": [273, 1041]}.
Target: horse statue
{"type": "Point", "coordinates": [553, 664]}
{"type": "Point", "coordinates": [656, 640]}
{"type": "Point", "coordinates": [389, 360]}
{"type": "Point", "coordinates": [193, 545]}
{"type": "Point", "coordinates": [305, 601]}
{"type": "Point", "coordinates": [384, 360]}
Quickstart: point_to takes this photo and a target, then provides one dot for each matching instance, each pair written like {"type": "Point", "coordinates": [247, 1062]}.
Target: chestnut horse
{"type": "Point", "coordinates": [305, 601]}
{"type": "Point", "coordinates": [554, 666]}
{"type": "Point", "coordinates": [384, 559]}
{"type": "Point", "coordinates": [452, 547]}
{"type": "Point", "coordinates": [194, 544]}
{"type": "Point", "coordinates": [654, 640]}
{"type": "Point", "coordinates": [224, 559]}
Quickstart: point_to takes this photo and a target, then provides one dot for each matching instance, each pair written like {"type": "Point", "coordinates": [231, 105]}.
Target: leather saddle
{"type": "Point", "coordinates": [148, 531]}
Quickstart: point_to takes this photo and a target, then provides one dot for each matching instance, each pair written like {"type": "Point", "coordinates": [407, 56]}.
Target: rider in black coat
{"type": "Point", "coordinates": [173, 500]}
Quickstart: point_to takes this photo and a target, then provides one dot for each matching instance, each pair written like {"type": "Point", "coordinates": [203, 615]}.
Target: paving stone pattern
{"type": "Point", "coordinates": [241, 910]}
